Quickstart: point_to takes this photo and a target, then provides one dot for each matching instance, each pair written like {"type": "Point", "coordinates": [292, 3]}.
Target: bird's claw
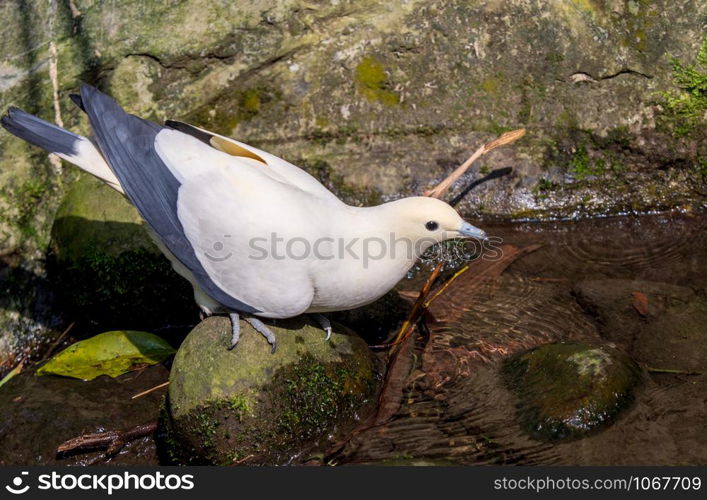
{"type": "Point", "coordinates": [264, 331]}
{"type": "Point", "coordinates": [325, 324]}
{"type": "Point", "coordinates": [235, 329]}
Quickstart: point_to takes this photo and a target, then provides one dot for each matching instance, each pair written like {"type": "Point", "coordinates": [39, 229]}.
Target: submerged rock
{"type": "Point", "coordinates": [569, 390]}
{"type": "Point", "coordinates": [108, 270]}
{"type": "Point", "coordinates": [676, 340]}
{"type": "Point", "coordinates": [612, 303]}
{"type": "Point", "coordinates": [249, 406]}
{"type": "Point", "coordinates": [37, 414]}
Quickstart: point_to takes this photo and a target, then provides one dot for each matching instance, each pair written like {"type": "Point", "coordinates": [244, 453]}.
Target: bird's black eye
{"type": "Point", "coordinates": [431, 225]}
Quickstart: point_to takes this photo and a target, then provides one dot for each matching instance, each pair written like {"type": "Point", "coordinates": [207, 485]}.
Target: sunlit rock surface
{"type": "Point", "coordinates": [382, 99]}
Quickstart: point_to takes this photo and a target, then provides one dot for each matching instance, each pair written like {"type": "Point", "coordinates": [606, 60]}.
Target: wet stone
{"type": "Point", "coordinates": [568, 391]}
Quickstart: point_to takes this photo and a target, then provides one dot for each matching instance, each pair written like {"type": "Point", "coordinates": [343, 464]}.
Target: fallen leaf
{"type": "Point", "coordinates": [11, 373]}
{"type": "Point", "coordinates": [110, 353]}
{"type": "Point", "coordinates": [640, 303]}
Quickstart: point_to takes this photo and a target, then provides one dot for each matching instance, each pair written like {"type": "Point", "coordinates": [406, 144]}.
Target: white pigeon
{"type": "Point", "coordinates": [255, 235]}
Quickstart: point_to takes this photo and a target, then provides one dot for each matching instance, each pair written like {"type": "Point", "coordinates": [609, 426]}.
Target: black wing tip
{"type": "Point", "coordinates": [76, 99]}
{"type": "Point", "coordinates": [12, 113]}
{"type": "Point", "coordinates": [191, 130]}
{"type": "Point", "coordinates": [38, 132]}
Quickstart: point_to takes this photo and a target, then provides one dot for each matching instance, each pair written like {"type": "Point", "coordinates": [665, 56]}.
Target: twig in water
{"type": "Point", "coordinates": [151, 389]}
{"type": "Point", "coordinates": [56, 343]}
{"type": "Point", "coordinates": [672, 372]}
{"type": "Point", "coordinates": [506, 138]}
{"type": "Point", "coordinates": [417, 309]}
{"type": "Point", "coordinates": [445, 285]}
{"type": "Point", "coordinates": [111, 441]}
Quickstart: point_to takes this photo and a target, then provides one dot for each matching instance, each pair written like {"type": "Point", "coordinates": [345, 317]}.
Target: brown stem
{"type": "Point", "coordinates": [504, 139]}
{"type": "Point", "coordinates": [111, 441]}
{"type": "Point", "coordinates": [150, 390]}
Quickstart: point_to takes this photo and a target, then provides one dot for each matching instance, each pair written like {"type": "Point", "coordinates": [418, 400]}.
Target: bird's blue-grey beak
{"type": "Point", "coordinates": [469, 231]}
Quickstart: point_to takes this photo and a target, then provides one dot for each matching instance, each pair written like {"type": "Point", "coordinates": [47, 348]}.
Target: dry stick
{"type": "Point", "coordinates": [407, 326]}
{"type": "Point", "coordinates": [437, 192]}
{"type": "Point", "coordinates": [152, 389]}
{"type": "Point", "coordinates": [58, 341]}
{"type": "Point", "coordinates": [111, 441]}
{"type": "Point", "coordinates": [506, 138]}
{"type": "Point", "coordinates": [672, 372]}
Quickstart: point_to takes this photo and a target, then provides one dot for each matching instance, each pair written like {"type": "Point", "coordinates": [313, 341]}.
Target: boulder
{"type": "Point", "coordinates": [570, 390]}
{"type": "Point", "coordinates": [106, 269]}
{"type": "Point", "coordinates": [384, 98]}
{"type": "Point", "coordinates": [247, 405]}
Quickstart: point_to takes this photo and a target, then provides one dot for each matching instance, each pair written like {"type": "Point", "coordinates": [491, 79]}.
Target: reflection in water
{"type": "Point", "coordinates": [456, 407]}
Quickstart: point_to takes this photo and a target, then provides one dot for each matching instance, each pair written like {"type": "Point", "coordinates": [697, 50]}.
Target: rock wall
{"type": "Point", "coordinates": [382, 99]}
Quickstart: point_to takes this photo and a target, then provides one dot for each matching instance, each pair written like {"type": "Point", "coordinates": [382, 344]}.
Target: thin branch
{"type": "Point", "coordinates": [417, 309]}
{"type": "Point", "coordinates": [12, 373]}
{"type": "Point", "coordinates": [152, 389]}
{"type": "Point", "coordinates": [506, 138]}
{"type": "Point", "coordinates": [111, 441]}
{"type": "Point", "coordinates": [57, 342]}
{"type": "Point", "coordinates": [672, 372]}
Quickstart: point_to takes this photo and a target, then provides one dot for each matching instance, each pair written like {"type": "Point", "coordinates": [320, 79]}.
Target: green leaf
{"type": "Point", "coordinates": [110, 353]}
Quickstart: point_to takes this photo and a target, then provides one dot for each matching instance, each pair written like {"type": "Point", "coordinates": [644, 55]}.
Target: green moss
{"type": "Point", "coordinates": [223, 113]}
{"type": "Point", "coordinates": [492, 85]}
{"type": "Point", "coordinates": [28, 200]}
{"type": "Point", "coordinates": [373, 82]}
{"type": "Point", "coordinates": [702, 166]}
{"type": "Point", "coordinates": [582, 165]}
{"type": "Point", "coordinates": [579, 164]}
{"type": "Point", "coordinates": [250, 101]}
{"type": "Point", "coordinates": [543, 188]}
{"type": "Point", "coordinates": [228, 405]}
{"type": "Point", "coordinates": [569, 390]}
{"type": "Point", "coordinates": [314, 395]}
{"type": "Point", "coordinates": [684, 109]}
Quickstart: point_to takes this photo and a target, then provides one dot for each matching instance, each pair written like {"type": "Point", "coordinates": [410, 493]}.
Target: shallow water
{"type": "Point", "coordinates": [455, 405]}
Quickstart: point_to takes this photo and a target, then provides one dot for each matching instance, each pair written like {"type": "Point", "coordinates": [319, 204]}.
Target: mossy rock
{"type": "Point", "coordinates": [570, 390]}
{"type": "Point", "coordinates": [247, 405]}
{"type": "Point", "coordinates": [107, 269]}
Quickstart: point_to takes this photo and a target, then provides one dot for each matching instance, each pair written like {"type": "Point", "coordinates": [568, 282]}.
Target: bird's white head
{"type": "Point", "coordinates": [429, 221]}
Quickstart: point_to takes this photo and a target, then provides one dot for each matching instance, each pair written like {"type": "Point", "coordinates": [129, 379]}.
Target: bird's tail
{"type": "Point", "coordinates": [71, 147]}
